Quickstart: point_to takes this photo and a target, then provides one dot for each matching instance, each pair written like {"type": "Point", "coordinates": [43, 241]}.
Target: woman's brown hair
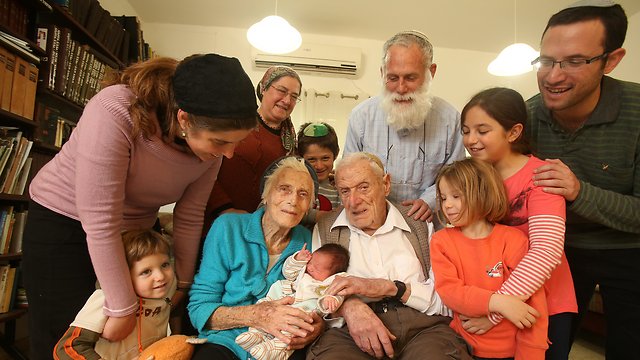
{"type": "Point", "coordinates": [507, 107]}
{"type": "Point", "coordinates": [150, 82]}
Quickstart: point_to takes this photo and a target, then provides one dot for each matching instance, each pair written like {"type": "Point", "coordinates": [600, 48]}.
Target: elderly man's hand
{"type": "Point", "coordinates": [419, 209]}
{"type": "Point", "coordinates": [275, 317]}
{"type": "Point", "coordinates": [366, 329]}
{"type": "Point", "coordinates": [557, 178]}
{"type": "Point", "coordinates": [353, 285]}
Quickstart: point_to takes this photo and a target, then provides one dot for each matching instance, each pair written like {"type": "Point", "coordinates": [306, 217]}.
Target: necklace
{"type": "Point", "coordinates": [276, 127]}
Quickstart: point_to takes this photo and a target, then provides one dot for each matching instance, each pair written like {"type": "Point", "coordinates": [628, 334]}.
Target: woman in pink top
{"type": "Point", "coordinates": [155, 137]}
{"type": "Point", "coordinates": [492, 125]}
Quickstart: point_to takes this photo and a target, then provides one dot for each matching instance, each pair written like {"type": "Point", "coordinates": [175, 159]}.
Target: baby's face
{"type": "Point", "coordinates": [320, 266]}
{"type": "Point", "coordinates": [152, 276]}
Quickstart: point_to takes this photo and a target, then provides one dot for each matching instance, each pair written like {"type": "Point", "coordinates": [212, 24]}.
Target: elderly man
{"type": "Point", "coordinates": [587, 125]}
{"type": "Point", "coordinates": [413, 132]}
{"type": "Point", "coordinates": [396, 312]}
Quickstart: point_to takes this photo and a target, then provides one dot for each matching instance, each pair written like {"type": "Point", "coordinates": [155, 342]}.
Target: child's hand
{"type": "Point", "coordinates": [303, 254]}
{"type": "Point", "coordinates": [330, 303]}
{"type": "Point", "coordinates": [478, 326]}
{"type": "Point", "coordinates": [514, 309]}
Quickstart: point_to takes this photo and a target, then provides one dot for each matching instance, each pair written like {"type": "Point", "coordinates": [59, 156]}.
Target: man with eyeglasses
{"type": "Point", "coordinates": [587, 126]}
{"type": "Point", "coordinates": [412, 131]}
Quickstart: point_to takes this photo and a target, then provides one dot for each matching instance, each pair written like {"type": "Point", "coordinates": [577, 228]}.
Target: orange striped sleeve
{"type": "Point", "coordinates": [77, 344]}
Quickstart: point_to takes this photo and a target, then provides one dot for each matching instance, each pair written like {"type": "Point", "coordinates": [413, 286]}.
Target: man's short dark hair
{"type": "Point", "coordinates": [613, 18]}
{"type": "Point", "coordinates": [340, 256]}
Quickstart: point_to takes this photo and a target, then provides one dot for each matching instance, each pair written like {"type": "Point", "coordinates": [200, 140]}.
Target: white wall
{"type": "Point", "coordinates": [460, 74]}
{"type": "Point", "coordinates": [628, 68]}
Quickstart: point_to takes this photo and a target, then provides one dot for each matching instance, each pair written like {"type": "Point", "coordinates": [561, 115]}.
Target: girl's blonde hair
{"type": "Point", "coordinates": [483, 192]}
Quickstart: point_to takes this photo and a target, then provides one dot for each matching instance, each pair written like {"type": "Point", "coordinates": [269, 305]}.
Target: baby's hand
{"type": "Point", "coordinates": [330, 303]}
{"type": "Point", "coordinates": [303, 254]}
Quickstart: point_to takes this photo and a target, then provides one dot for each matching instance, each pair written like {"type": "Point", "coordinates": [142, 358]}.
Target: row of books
{"type": "Point", "coordinates": [15, 162]}
{"type": "Point", "coordinates": [53, 128]}
{"type": "Point", "coordinates": [15, 16]}
{"type": "Point", "coordinates": [98, 22]}
{"type": "Point", "coordinates": [8, 287]}
{"type": "Point", "coordinates": [12, 222]}
{"type": "Point", "coordinates": [138, 49]}
{"type": "Point", "coordinates": [70, 68]}
{"type": "Point", "coordinates": [18, 83]}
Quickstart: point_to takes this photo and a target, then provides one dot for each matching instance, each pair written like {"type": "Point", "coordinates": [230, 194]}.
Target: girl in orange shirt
{"type": "Point", "coordinates": [474, 257]}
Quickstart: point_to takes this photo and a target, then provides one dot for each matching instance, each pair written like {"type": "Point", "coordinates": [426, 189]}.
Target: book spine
{"type": "Point", "coordinates": [3, 64]}
{"type": "Point", "coordinates": [10, 64]}
{"type": "Point", "coordinates": [30, 92]}
{"type": "Point", "coordinates": [18, 90]}
{"type": "Point", "coordinates": [63, 60]}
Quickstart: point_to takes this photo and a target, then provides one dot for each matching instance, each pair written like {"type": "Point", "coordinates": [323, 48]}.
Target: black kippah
{"type": "Point", "coordinates": [215, 86]}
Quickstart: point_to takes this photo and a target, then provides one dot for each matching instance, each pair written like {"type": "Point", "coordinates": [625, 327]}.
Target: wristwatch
{"type": "Point", "coordinates": [402, 288]}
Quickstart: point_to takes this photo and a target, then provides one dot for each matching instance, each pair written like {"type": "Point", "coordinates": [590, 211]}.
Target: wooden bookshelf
{"type": "Point", "coordinates": [62, 17]}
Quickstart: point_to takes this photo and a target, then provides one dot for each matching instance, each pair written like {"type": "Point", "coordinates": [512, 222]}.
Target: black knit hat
{"type": "Point", "coordinates": [214, 86]}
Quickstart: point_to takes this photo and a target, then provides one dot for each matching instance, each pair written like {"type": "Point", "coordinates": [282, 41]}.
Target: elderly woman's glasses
{"type": "Point", "coordinates": [568, 65]}
{"type": "Point", "coordinates": [284, 92]}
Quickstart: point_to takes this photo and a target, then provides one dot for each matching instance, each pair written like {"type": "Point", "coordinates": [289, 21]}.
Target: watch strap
{"type": "Point", "coordinates": [402, 288]}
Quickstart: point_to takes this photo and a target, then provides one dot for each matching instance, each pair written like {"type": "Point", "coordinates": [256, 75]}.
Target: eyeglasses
{"type": "Point", "coordinates": [569, 65]}
{"type": "Point", "coordinates": [284, 92]}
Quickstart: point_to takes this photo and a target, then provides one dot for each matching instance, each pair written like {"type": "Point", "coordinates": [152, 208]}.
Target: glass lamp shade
{"type": "Point", "coordinates": [274, 35]}
{"type": "Point", "coordinates": [514, 60]}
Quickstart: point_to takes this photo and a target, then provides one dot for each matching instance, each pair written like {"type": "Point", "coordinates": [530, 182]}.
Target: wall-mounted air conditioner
{"type": "Point", "coordinates": [314, 58]}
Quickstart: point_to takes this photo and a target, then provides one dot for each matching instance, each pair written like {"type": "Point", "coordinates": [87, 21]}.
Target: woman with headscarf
{"type": "Point", "coordinates": [236, 189]}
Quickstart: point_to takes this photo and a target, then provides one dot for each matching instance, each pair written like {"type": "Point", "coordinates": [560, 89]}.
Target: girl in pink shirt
{"type": "Point", "coordinates": [492, 126]}
{"type": "Point", "coordinates": [155, 137]}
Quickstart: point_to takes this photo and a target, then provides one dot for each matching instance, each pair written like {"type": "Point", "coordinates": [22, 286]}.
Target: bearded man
{"type": "Point", "coordinates": [412, 131]}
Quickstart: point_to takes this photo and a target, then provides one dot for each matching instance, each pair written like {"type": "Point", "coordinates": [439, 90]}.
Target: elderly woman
{"type": "Point", "coordinates": [243, 256]}
{"type": "Point", "coordinates": [237, 185]}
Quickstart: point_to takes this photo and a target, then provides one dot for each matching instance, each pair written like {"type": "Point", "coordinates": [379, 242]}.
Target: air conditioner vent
{"type": "Point", "coordinates": [315, 58]}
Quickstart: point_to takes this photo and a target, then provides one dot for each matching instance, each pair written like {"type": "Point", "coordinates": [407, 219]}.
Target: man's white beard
{"type": "Point", "coordinates": [407, 116]}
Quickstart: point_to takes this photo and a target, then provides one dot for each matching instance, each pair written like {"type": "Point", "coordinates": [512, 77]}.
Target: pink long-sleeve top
{"type": "Point", "coordinates": [111, 182]}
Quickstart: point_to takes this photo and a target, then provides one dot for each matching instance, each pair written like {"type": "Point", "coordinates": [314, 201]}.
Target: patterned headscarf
{"type": "Point", "coordinates": [287, 132]}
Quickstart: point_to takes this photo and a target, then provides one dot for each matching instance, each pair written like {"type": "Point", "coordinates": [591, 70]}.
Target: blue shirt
{"type": "Point", "coordinates": [233, 272]}
{"type": "Point", "coordinates": [412, 157]}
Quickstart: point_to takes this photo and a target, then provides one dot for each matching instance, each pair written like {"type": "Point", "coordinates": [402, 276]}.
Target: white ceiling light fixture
{"type": "Point", "coordinates": [516, 58]}
{"type": "Point", "coordinates": [274, 35]}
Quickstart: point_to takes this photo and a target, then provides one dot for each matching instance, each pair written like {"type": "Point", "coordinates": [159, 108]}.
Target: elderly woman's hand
{"type": "Point", "coordinates": [276, 316]}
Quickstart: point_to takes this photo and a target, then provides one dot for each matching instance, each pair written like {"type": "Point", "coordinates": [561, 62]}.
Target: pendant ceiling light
{"type": "Point", "coordinates": [516, 58]}
{"type": "Point", "coordinates": [274, 35]}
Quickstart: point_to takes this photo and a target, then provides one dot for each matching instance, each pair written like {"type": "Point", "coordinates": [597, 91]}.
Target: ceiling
{"type": "Point", "coordinates": [481, 25]}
